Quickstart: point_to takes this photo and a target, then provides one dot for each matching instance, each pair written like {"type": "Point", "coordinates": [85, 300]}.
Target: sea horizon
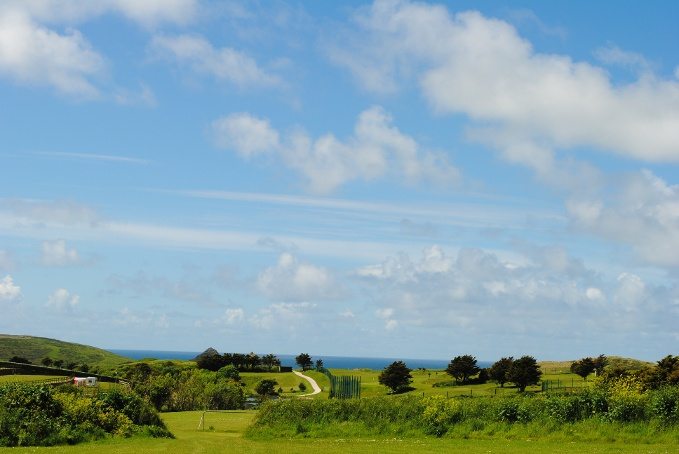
{"type": "Point", "coordinates": [329, 361]}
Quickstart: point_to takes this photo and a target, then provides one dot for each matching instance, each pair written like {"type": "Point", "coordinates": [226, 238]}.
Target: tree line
{"type": "Point", "coordinates": [211, 360]}
{"type": "Point", "coordinates": [523, 372]}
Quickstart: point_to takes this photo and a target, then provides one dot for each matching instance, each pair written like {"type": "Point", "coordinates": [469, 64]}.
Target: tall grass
{"type": "Point", "coordinates": [593, 414]}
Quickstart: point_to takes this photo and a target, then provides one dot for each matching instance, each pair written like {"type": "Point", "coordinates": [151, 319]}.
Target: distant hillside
{"type": "Point", "coordinates": [35, 349]}
{"type": "Point", "coordinates": [614, 362]}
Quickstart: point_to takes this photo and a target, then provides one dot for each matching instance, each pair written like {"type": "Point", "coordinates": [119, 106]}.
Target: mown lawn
{"type": "Point", "coordinates": [288, 381]}
{"type": "Point", "coordinates": [228, 427]}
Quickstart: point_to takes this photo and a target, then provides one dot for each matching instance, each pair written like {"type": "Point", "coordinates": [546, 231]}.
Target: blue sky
{"type": "Point", "coordinates": [401, 179]}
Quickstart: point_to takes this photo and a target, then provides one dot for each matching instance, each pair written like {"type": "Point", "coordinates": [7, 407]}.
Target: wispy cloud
{"type": "Point", "coordinates": [91, 156]}
{"type": "Point", "coordinates": [507, 214]}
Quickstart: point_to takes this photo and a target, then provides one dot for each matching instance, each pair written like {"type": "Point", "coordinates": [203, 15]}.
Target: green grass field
{"type": "Point", "coordinates": [423, 381]}
{"type": "Point", "coordinates": [228, 428]}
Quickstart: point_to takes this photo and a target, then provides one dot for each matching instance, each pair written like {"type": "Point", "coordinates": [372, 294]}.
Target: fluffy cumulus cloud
{"type": "Point", "coordinates": [246, 135]}
{"type": "Point", "coordinates": [643, 212]}
{"type": "Point", "coordinates": [32, 53]}
{"type": "Point", "coordinates": [376, 148]}
{"type": "Point", "coordinates": [57, 253]}
{"type": "Point", "coordinates": [9, 291]}
{"type": "Point", "coordinates": [62, 300]}
{"type": "Point", "coordinates": [477, 291]}
{"type": "Point", "coordinates": [528, 102]}
{"type": "Point", "coordinates": [293, 281]}
{"type": "Point", "coordinates": [225, 64]}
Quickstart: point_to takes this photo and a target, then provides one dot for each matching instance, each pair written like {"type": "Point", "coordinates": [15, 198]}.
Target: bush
{"type": "Point", "coordinates": [32, 415]}
{"type": "Point", "coordinates": [665, 404]}
{"type": "Point", "coordinates": [439, 413]}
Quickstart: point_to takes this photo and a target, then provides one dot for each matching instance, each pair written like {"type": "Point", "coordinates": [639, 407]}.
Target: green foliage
{"type": "Point", "coordinates": [665, 404]}
{"type": "Point", "coordinates": [396, 377]}
{"type": "Point", "coordinates": [524, 372]}
{"type": "Point", "coordinates": [583, 367]}
{"type": "Point", "coordinates": [302, 386]}
{"type": "Point", "coordinates": [439, 414]}
{"type": "Point", "coordinates": [229, 372]}
{"type": "Point", "coordinates": [266, 387]}
{"type": "Point", "coordinates": [462, 367]}
{"type": "Point", "coordinates": [304, 361]}
{"type": "Point", "coordinates": [33, 415]}
{"type": "Point", "coordinates": [19, 359]}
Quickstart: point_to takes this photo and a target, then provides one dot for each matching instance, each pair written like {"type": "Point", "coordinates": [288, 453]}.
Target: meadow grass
{"type": "Point", "coordinates": [229, 427]}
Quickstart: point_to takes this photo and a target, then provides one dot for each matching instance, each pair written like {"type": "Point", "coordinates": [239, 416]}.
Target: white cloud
{"type": "Point", "coordinates": [613, 55]}
{"type": "Point", "coordinates": [31, 53]}
{"type": "Point", "coordinates": [245, 134]}
{"type": "Point", "coordinates": [62, 300]}
{"type": "Point", "coordinates": [292, 281]}
{"type": "Point", "coordinates": [35, 55]}
{"type": "Point", "coordinates": [480, 67]}
{"type": "Point", "coordinates": [282, 315]}
{"type": "Point", "coordinates": [225, 64]}
{"type": "Point", "coordinates": [476, 291]}
{"type": "Point", "coordinates": [233, 316]}
{"type": "Point", "coordinates": [642, 212]}
{"type": "Point", "coordinates": [376, 148]}
{"type": "Point", "coordinates": [8, 290]}
{"type": "Point", "coordinates": [57, 253]}
{"type": "Point", "coordinates": [147, 12]}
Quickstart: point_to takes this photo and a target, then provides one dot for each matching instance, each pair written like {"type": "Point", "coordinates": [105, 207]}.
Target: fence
{"type": "Point", "coordinates": [344, 386]}
{"type": "Point", "coordinates": [562, 385]}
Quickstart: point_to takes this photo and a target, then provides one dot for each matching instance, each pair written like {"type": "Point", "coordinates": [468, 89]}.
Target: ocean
{"type": "Point", "coordinates": [331, 362]}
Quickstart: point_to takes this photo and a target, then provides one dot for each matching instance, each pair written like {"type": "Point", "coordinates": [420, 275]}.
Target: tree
{"type": "Point", "coordinates": [600, 362]}
{"type": "Point", "coordinates": [583, 367]}
{"type": "Point", "coordinates": [229, 372]}
{"type": "Point", "coordinates": [266, 387]}
{"type": "Point", "coordinates": [396, 376]}
{"type": "Point", "coordinates": [319, 364]}
{"type": "Point", "coordinates": [19, 359]}
{"type": "Point", "coordinates": [210, 359]}
{"type": "Point", "coordinates": [523, 372]}
{"type": "Point", "coordinates": [270, 360]}
{"type": "Point", "coordinates": [253, 360]}
{"type": "Point", "coordinates": [463, 367]}
{"type": "Point", "coordinates": [58, 363]}
{"type": "Point", "coordinates": [302, 386]}
{"type": "Point", "coordinates": [46, 361]}
{"type": "Point", "coordinates": [499, 370]}
{"type": "Point", "coordinates": [304, 361]}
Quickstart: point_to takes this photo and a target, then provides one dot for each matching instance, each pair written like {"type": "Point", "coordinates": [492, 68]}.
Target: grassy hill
{"type": "Point", "coordinates": [614, 362]}
{"type": "Point", "coordinates": [36, 348]}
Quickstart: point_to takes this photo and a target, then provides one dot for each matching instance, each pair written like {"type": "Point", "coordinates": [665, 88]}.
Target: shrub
{"type": "Point", "coordinates": [439, 413]}
{"type": "Point", "coordinates": [665, 404]}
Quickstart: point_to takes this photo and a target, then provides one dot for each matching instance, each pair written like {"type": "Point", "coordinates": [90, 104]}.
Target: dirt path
{"type": "Point", "coordinates": [312, 382]}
